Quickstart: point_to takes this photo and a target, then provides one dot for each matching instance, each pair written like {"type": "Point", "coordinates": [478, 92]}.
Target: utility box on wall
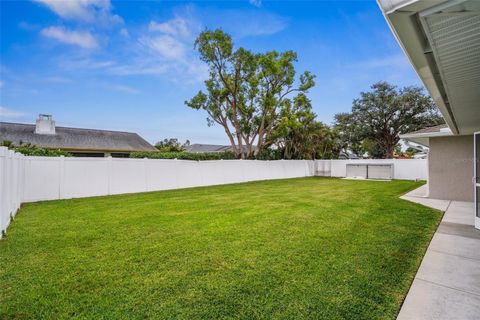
{"type": "Point", "coordinates": [370, 171]}
{"type": "Point", "coordinates": [358, 171]}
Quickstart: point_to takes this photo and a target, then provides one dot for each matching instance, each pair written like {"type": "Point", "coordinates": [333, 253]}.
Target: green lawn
{"type": "Point", "coordinates": [304, 248]}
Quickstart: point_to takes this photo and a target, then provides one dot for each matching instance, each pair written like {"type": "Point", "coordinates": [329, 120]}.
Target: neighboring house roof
{"type": "Point", "coordinates": [430, 129]}
{"type": "Point", "coordinates": [423, 136]}
{"type": "Point", "coordinates": [74, 138]}
{"type": "Point", "coordinates": [348, 155]}
{"type": "Point", "coordinates": [197, 147]}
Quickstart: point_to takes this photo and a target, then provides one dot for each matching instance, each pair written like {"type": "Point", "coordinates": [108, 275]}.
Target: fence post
{"type": "Point", "coordinates": [61, 176]}
{"type": "Point", "coordinates": [145, 170]}
{"type": "Point", "coordinates": [10, 178]}
{"type": "Point", "coordinates": [3, 209]}
{"type": "Point", "coordinates": [109, 174]}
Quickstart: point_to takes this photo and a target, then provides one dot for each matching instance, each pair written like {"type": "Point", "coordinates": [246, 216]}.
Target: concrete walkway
{"type": "Point", "coordinates": [447, 284]}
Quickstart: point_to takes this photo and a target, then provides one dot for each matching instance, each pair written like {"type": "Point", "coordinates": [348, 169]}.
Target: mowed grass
{"type": "Point", "coordinates": [309, 248]}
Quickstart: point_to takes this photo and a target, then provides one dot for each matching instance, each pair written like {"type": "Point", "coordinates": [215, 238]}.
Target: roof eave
{"type": "Point", "coordinates": [424, 138]}
{"type": "Point", "coordinates": [401, 17]}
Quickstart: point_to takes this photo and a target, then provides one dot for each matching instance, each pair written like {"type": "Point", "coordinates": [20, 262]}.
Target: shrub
{"type": "Point", "coordinates": [269, 154]}
{"type": "Point", "coordinates": [184, 155]}
{"type": "Point", "coordinates": [6, 143]}
{"type": "Point", "coordinates": [31, 150]}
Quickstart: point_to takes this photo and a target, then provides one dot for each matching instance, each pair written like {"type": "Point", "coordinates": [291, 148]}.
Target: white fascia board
{"type": "Point", "coordinates": [389, 6]}
{"type": "Point", "coordinates": [426, 135]}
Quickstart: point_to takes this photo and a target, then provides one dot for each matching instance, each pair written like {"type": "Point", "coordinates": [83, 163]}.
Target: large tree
{"type": "Point", "coordinates": [379, 116]}
{"type": "Point", "coordinates": [300, 136]}
{"type": "Point", "coordinates": [247, 93]}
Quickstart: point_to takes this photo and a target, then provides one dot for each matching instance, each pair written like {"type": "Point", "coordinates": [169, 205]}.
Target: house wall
{"type": "Point", "coordinates": [450, 168]}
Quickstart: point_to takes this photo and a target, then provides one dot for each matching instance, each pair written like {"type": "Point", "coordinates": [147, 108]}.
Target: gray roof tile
{"type": "Point", "coordinates": [430, 129]}
{"type": "Point", "coordinates": [75, 138]}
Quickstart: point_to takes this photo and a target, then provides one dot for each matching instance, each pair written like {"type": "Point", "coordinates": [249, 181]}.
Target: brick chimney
{"type": "Point", "coordinates": [45, 124]}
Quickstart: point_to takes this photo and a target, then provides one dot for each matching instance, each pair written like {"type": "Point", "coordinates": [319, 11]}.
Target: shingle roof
{"type": "Point", "coordinates": [198, 147]}
{"type": "Point", "coordinates": [207, 148]}
{"type": "Point", "coordinates": [429, 129]}
{"type": "Point", "coordinates": [75, 138]}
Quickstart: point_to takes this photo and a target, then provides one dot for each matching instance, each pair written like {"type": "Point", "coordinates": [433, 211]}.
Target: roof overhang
{"type": "Point", "coordinates": [424, 138]}
{"type": "Point", "coordinates": [441, 38]}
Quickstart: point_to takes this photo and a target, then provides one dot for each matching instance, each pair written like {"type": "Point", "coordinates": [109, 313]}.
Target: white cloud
{"type": "Point", "coordinates": [256, 3]}
{"type": "Point", "coordinates": [124, 33]}
{"type": "Point", "coordinates": [174, 27]}
{"type": "Point", "coordinates": [165, 46]}
{"type": "Point", "coordinates": [140, 68]}
{"type": "Point", "coordinates": [57, 79]}
{"type": "Point", "coordinates": [247, 23]}
{"type": "Point", "coordinates": [124, 89]}
{"type": "Point", "coordinates": [83, 39]}
{"type": "Point", "coordinates": [83, 10]}
{"type": "Point", "coordinates": [9, 113]}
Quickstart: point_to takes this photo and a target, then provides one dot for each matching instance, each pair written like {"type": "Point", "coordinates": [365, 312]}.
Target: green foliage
{"type": "Point", "coordinates": [185, 155]}
{"type": "Point", "coordinates": [412, 151]}
{"type": "Point", "coordinates": [309, 248]}
{"type": "Point", "coordinates": [246, 92]}
{"type": "Point", "coordinates": [171, 145]}
{"type": "Point", "coordinates": [379, 116]}
{"type": "Point", "coordinates": [6, 143]}
{"type": "Point", "coordinates": [31, 150]}
{"type": "Point", "coordinates": [350, 133]}
{"type": "Point", "coordinates": [372, 148]}
{"type": "Point", "coordinates": [269, 154]}
{"type": "Point", "coordinates": [299, 136]}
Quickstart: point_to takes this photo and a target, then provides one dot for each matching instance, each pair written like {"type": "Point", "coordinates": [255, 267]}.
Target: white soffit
{"type": "Point", "coordinates": [454, 37]}
{"type": "Point", "coordinates": [442, 40]}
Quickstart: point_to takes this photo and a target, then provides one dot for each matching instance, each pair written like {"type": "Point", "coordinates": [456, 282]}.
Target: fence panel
{"type": "Point", "coordinates": [92, 172]}
{"type": "Point", "coordinates": [42, 178]}
{"type": "Point", "coordinates": [11, 186]}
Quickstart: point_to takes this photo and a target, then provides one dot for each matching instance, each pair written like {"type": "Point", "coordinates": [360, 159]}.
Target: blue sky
{"type": "Point", "coordinates": [130, 65]}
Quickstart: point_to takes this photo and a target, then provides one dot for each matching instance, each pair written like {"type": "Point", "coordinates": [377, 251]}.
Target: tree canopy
{"type": "Point", "coordinates": [250, 95]}
{"type": "Point", "coordinates": [379, 116]}
{"type": "Point", "coordinates": [171, 145]}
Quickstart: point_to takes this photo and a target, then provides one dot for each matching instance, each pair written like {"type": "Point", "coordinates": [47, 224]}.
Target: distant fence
{"type": "Point", "coordinates": [406, 169]}
{"type": "Point", "coordinates": [28, 179]}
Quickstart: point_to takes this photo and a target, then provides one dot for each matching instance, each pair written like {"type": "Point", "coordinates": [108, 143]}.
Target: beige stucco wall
{"type": "Point", "coordinates": [450, 168]}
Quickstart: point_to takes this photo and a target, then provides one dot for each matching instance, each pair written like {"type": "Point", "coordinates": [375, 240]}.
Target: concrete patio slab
{"type": "Point", "coordinates": [455, 245]}
{"type": "Point", "coordinates": [421, 192]}
{"type": "Point", "coordinates": [447, 284]}
{"type": "Point", "coordinates": [431, 301]}
{"type": "Point", "coordinates": [461, 213]}
{"type": "Point", "coordinates": [441, 205]}
{"type": "Point", "coordinates": [451, 271]}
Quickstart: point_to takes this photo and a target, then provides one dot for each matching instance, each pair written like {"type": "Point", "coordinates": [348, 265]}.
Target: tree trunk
{"type": "Point", "coordinates": [389, 151]}
{"type": "Point", "coordinates": [232, 140]}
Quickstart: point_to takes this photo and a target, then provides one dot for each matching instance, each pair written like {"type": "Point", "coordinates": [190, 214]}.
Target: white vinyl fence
{"type": "Point", "coordinates": [403, 169]}
{"type": "Point", "coordinates": [28, 179]}
{"type": "Point", "coordinates": [11, 185]}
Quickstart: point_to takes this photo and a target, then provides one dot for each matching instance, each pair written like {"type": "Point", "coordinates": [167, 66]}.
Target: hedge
{"type": "Point", "coordinates": [185, 155]}
{"type": "Point", "coordinates": [29, 149]}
